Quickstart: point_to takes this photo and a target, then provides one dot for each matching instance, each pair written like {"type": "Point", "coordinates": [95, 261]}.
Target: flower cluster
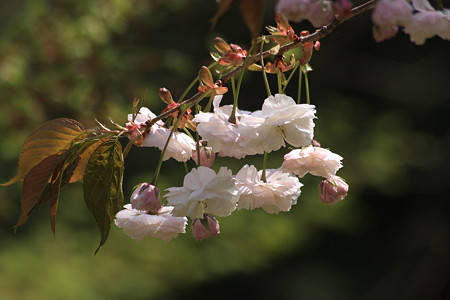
{"type": "Point", "coordinates": [280, 121]}
{"type": "Point", "coordinates": [419, 19]}
{"type": "Point", "coordinates": [180, 146]}
{"type": "Point", "coordinates": [206, 193]}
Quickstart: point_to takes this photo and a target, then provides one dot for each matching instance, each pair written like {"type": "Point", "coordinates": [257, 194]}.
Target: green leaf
{"type": "Point", "coordinates": [34, 184]}
{"type": "Point", "coordinates": [48, 139]}
{"type": "Point", "coordinates": [78, 173]}
{"type": "Point", "coordinates": [103, 185]}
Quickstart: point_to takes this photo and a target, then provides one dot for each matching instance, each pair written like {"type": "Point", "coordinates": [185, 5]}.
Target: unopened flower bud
{"type": "Point", "coordinates": [332, 190]}
{"type": "Point", "coordinates": [166, 96]}
{"type": "Point", "coordinates": [207, 156]}
{"type": "Point", "coordinates": [146, 197]}
{"type": "Point", "coordinates": [221, 46]}
{"type": "Point", "coordinates": [204, 228]}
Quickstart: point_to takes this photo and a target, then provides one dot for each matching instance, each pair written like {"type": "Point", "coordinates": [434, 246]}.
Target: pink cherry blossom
{"type": "Point", "coordinates": [428, 22]}
{"type": "Point", "coordinates": [318, 12]}
{"type": "Point", "coordinates": [388, 15]}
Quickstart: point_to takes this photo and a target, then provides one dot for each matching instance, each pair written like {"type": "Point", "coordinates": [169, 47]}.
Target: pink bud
{"type": "Point", "coordinates": [206, 156]}
{"type": "Point", "coordinates": [332, 190]}
{"type": "Point", "coordinates": [146, 197]}
{"type": "Point", "coordinates": [204, 228]}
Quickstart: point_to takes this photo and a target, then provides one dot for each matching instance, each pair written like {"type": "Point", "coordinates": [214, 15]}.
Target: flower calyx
{"type": "Point", "coordinates": [186, 118]}
{"type": "Point", "coordinates": [279, 65]}
{"type": "Point", "coordinates": [232, 55]}
{"type": "Point", "coordinates": [307, 49]}
{"type": "Point", "coordinates": [207, 83]}
{"type": "Point", "coordinates": [283, 33]}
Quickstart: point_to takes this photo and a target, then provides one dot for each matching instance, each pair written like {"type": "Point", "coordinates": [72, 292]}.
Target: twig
{"type": "Point", "coordinates": [319, 34]}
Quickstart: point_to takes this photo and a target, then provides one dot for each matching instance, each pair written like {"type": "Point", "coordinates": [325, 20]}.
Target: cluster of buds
{"type": "Point", "coordinates": [230, 54]}
{"type": "Point", "coordinates": [185, 120]}
{"type": "Point", "coordinates": [283, 33]}
{"type": "Point", "coordinates": [207, 83]}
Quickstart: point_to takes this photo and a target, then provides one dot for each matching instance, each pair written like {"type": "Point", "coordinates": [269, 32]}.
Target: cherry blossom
{"type": "Point", "coordinates": [180, 146]}
{"type": "Point", "coordinates": [284, 121]}
{"type": "Point", "coordinates": [138, 223]}
{"type": "Point", "coordinates": [225, 137]}
{"type": "Point", "coordinates": [204, 191]}
{"type": "Point", "coordinates": [428, 22]}
{"type": "Point", "coordinates": [315, 160]}
{"type": "Point", "coordinates": [278, 193]}
{"type": "Point", "coordinates": [388, 15]}
{"type": "Point", "coordinates": [318, 12]}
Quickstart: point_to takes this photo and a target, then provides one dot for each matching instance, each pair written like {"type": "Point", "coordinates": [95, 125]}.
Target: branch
{"type": "Point", "coordinates": [319, 34]}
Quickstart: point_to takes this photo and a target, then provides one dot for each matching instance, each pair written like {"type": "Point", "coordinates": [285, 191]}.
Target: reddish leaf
{"type": "Point", "coordinates": [222, 7]}
{"type": "Point", "coordinates": [33, 186]}
{"type": "Point", "coordinates": [48, 139]}
{"type": "Point", "coordinates": [253, 11]}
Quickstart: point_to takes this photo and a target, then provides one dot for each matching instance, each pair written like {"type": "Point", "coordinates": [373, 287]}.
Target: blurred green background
{"type": "Point", "coordinates": [383, 107]}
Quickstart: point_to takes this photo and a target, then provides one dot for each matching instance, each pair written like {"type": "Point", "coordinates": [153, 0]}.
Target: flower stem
{"type": "Point", "coordinates": [290, 77]}
{"type": "Point", "coordinates": [299, 93]}
{"type": "Point", "coordinates": [194, 82]}
{"type": "Point", "coordinates": [237, 89]}
{"type": "Point", "coordinates": [232, 118]}
{"type": "Point", "coordinates": [174, 128]}
{"type": "Point", "coordinates": [266, 82]}
{"type": "Point", "coordinates": [308, 101]}
{"type": "Point", "coordinates": [263, 175]}
{"type": "Point", "coordinates": [279, 81]}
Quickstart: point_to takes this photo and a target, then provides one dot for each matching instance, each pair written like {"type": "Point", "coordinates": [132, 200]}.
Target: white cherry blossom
{"type": "Point", "coordinates": [204, 191]}
{"type": "Point", "coordinates": [284, 121]}
{"type": "Point", "coordinates": [138, 224]}
{"type": "Point", "coordinates": [143, 116]}
{"type": "Point", "coordinates": [223, 137]}
{"type": "Point", "coordinates": [180, 146]}
{"type": "Point", "coordinates": [314, 160]}
{"type": "Point", "coordinates": [278, 193]}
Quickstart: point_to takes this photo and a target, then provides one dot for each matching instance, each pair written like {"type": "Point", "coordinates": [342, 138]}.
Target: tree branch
{"type": "Point", "coordinates": [319, 34]}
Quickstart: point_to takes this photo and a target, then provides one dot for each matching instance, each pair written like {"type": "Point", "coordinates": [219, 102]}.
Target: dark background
{"type": "Point", "coordinates": [383, 107]}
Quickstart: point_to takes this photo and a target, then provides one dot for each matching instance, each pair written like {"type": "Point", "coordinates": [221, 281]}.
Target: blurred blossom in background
{"type": "Point", "coordinates": [383, 107]}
